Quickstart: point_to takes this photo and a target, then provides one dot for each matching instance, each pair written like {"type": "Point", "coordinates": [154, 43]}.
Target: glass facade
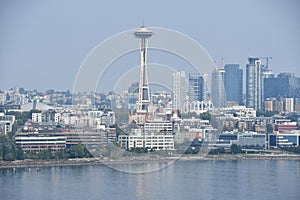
{"type": "Point", "coordinates": [272, 141]}
{"type": "Point", "coordinates": [218, 95]}
{"type": "Point", "coordinates": [254, 85]}
{"type": "Point", "coordinates": [284, 85]}
{"type": "Point", "coordinates": [233, 80]}
{"type": "Point", "coordinates": [179, 90]}
{"type": "Point", "coordinates": [197, 87]}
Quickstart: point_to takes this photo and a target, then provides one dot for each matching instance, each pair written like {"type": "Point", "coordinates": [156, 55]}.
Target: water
{"type": "Point", "coordinates": [216, 179]}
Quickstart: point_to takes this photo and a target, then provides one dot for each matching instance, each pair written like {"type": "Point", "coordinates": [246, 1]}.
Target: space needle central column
{"type": "Point", "coordinates": [144, 96]}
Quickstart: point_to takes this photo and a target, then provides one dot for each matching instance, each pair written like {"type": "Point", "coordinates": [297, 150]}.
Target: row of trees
{"type": "Point", "coordinates": [75, 151]}
{"type": "Point", "coordinates": [204, 116]}
{"type": "Point", "coordinates": [295, 150]}
{"type": "Point", "coordinates": [234, 149]}
{"type": "Point", "coordinates": [8, 152]}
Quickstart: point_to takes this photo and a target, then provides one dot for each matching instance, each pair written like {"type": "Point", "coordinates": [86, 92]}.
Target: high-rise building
{"type": "Point", "coordinates": [179, 90]}
{"type": "Point", "coordinates": [17, 90]}
{"type": "Point", "coordinates": [267, 72]}
{"type": "Point", "coordinates": [197, 87]}
{"type": "Point", "coordinates": [254, 84]}
{"type": "Point", "coordinates": [233, 81]}
{"type": "Point", "coordinates": [133, 92]}
{"type": "Point", "coordinates": [297, 107]}
{"type": "Point", "coordinates": [218, 95]}
{"type": "Point", "coordinates": [284, 85]}
{"type": "Point", "coordinates": [270, 104]}
{"type": "Point", "coordinates": [289, 104]}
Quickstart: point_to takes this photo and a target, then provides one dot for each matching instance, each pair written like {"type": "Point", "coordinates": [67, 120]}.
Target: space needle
{"type": "Point", "coordinates": [144, 95]}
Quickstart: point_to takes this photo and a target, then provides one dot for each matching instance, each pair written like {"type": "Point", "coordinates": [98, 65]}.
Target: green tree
{"type": "Point", "coordinates": [226, 128]}
{"type": "Point", "coordinates": [21, 117]}
{"type": "Point", "coordinates": [205, 116]}
{"type": "Point", "coordinates": [219, 150]}
{"type": "Point", "coordinates": [31, 155]}
{"type": "Point", "coordinates": [61, 154]}
{"type": "Point", "coordinates": [138, 150]}
{"type": "Point", "coordinates": [8, 148]}
{"type": "Point", "coordinates": [8, 153]}
{"type": "Point", "coordinates": [235, 149]}
{"type": "Point", "coordinates": [295, 150]}
{"type": "Point", "coordinates": [44, 154]}
{"type": "Point", "coordinates": [20, 154]}
{"type": "Point", "coordinates": [1, 158]}
{"type": "Point", "coordinates": [77, 151]}
{"type": "Point", "coordinates": [269, 128]}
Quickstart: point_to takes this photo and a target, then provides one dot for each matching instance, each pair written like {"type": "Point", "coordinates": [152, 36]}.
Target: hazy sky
{"type": "Point", "coordinates": [43, 43]}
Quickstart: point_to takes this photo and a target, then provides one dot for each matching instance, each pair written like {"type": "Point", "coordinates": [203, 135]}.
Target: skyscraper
{"type": "Point", "coordinates": [254, 84]}
{"type": "Point", "coordinates": [233, 81]}
{"type": "Point", "coordinates": [218, 95]}
{"type": "Point", "coordinates": [289, 104]}
{"type": "Point", "coordinates": [267, 72]}
{"type": "Point", "coordinates": [179, 90]}
{"type": "Point", "coordinates": [284, 85]}
{"type": "Point", "coordinates": [133, 92]}
{"type": "Point", "coordinates": [197, 87]}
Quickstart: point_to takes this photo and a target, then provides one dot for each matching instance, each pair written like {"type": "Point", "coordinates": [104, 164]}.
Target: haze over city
{"type": "Point", "coordinates": [44, 43]}
{"type": "Point", "coordinates": [149, 99]}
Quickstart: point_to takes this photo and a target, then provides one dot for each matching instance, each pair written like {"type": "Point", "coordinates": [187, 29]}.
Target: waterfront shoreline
{"type": "Point", "coordinates": [95, 161]}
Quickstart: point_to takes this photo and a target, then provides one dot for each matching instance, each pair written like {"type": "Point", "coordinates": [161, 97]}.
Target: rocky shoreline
{"type": "Point", "coordinates": [94, 161]}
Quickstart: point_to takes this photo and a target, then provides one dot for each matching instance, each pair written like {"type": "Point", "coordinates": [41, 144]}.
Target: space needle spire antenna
{"type": "Point", "coordinates": [143, 34]}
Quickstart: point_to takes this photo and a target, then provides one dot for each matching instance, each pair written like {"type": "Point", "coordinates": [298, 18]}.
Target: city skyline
{"type": "Point", "coordinates": [149, 99]}
{"type": "Point", "coordinates": [54, 46]}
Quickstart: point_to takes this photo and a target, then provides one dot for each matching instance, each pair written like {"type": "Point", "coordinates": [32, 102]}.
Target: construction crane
{"type": "Point", "coordinates": [267, 58]}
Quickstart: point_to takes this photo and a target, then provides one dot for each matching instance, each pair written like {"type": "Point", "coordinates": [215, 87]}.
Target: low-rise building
{"type": "Point", "coordinates": [7, 122]}
{"type": "Point", "coordinates": [247, 140]}
{"type": "Point", "coordinates": [198, 106]}
{"type": "Point", "coordinates": [148, 141]}
{"type": "Point", "coordinates": [284, 140]}
{"type": "Point", "coordinates": [36, 143]}
{"type": "Point", "coordinates": [286, 127]}
{"type": "Point", "coordinates": [46, 116]}
{"type": "Point", "coordinates": [252, 140]}
{"type": "Point", "coordinates": [158, 126]}
{"type": "Point", "coordinates": [89, 137]}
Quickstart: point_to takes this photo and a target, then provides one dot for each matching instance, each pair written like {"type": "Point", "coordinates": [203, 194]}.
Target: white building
{"type": "Point", "coordinates": [46, 117]}
{"type": "Point", "coordinates": [289, 104]}
{"type": "Point", "coordinates": [150, 141]}
{"type": "Point", "coordinates": [218, 89]}
{"type": "Point", "coordinates": [36, 143]}
{"type": "Point", "coordinates": [198, 106]}
{"type": "Point", "coordinates": [36, 117]}
{"type": "Point", "coordinates": [7, 122]}
{"type": "Point", "coordinates": [57, 117]}
{"type": "Point", "coordinates": [254, 84]}
{"type": "Point", "coordinates": [158, 127]}
{"type": "Point", "coordinates": [179, 90]}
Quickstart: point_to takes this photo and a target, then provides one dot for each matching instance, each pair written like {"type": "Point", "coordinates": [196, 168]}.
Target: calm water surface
{"type": "Point", "coordinates": [242, 179]}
